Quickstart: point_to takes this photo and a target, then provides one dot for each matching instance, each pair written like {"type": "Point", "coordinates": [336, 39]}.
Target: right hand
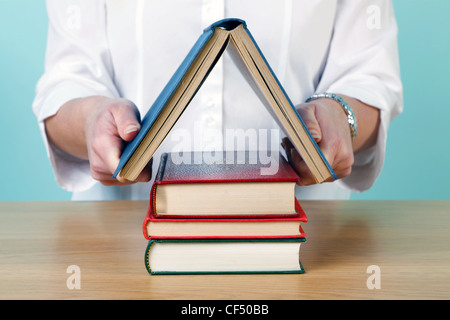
{"type": "Point", "coordinates": [108, 125]}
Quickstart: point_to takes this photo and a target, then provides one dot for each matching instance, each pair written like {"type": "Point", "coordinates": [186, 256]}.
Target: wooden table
{"type": "Point", "coordinates": [408, 241]}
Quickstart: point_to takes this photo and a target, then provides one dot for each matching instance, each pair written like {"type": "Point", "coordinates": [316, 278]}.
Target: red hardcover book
{"type": "Point", "coordinates": [228, 185]}
{"type": "Point", "coordinates": [225, 228]}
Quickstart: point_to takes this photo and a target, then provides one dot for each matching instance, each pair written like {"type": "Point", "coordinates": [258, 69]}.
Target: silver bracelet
{"type": "Point", "coordinates": [348, 110]}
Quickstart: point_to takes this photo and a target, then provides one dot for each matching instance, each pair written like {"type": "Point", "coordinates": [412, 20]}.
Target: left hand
{"type": "Point", "coordinates": [327, 123]}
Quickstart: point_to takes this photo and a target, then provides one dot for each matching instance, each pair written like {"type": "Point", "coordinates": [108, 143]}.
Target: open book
{"type": "Point", "coordinates": [176, 96]}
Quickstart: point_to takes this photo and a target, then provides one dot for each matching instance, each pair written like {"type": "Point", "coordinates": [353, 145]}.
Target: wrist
{"type": "Point", "coordinates": [349, 113]}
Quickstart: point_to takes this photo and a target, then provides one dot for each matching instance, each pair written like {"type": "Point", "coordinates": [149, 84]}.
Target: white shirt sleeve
{"type": "Point", "coordinates": [77, 64]}
{"type": "Point", "coordinates": [363, 63]}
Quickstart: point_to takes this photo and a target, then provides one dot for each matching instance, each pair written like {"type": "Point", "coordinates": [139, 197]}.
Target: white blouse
{"type": "Point", "coordinates": [131, 49]}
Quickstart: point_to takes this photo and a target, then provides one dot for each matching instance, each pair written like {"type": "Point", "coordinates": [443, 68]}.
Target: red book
{"type": "Point", "coordinates": [198, 185]}
{"type": "Point", "coordinates": [224, 228]}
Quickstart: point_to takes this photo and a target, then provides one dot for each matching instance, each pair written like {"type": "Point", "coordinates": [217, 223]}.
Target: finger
{"type": "Point", "coordinates": [299, 165]}
{"type": "Point", "coordinates": [108, 180]}
{"type": "Point", "coordinates": [146, 174]}
{"type": "Point", "coordinates": [105, 153]}
{"type": "Point", "coordinates": [307, 113]}
{"type": "Point", "coordinates": [343, 163]}
{"type": "Point", "coordinates": [126, 116]}
{"type": "Point", "coordinates": [286, 144]}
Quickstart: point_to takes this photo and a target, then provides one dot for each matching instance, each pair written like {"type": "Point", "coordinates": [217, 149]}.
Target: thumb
{"type": "Point", "coordinates": [307, 113]}
{"type": "Point", "coordinates": [127, 118]}
{"type": "Point", "coordinates": [130, 131]}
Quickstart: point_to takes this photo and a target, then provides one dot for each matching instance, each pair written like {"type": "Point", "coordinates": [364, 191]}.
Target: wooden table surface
{"type": "Point", "coordinates": [408, 241]}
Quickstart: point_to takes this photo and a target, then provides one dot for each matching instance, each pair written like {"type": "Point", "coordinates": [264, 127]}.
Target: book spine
{"type": "Point", "coordinates": [158, 179]}
{"type": "Point", "coordinates": [147, 253]}
{"type": "Point", "coordinates": [162, 167]}
{"type": "Point", "coordinates": [144, 225]}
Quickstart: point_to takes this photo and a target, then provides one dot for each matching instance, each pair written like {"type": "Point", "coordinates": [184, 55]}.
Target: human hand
{"type": "Point", "coordinates": [328, 125]}
{"type": "Point", "coordinates": [108, 126]}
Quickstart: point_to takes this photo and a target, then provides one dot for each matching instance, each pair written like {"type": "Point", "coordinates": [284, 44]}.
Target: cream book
{"type": "Point", "coordinates": [200, 189]}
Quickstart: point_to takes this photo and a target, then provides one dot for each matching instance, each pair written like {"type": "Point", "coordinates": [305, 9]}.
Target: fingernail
{"type": "Point", "coordinates": [315, 134]}
{"type": "Point", "coordinates": [132, 128]}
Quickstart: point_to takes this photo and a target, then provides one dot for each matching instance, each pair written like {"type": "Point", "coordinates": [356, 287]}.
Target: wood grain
{"type": "Point", "coordinates": [408, 240]}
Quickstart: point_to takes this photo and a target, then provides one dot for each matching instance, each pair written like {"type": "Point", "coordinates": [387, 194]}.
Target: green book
{"type": "Point", "coordinates": [224, 256]}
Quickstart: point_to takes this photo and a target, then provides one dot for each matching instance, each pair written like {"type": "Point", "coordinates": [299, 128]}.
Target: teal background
{"type": "Point", "coordinates": [418, 149]}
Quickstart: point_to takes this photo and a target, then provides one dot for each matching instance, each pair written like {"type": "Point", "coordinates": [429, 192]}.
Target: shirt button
{"type": "Point", "coordinates": [209, 104]}
{"type": "Point", "coordinates": [210, 121]}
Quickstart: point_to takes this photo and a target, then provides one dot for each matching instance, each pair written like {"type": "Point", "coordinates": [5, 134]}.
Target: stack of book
{"type": "Point", "coordinates": [214, 218]}
{"type": "Point", "coordinates": [223, 218]}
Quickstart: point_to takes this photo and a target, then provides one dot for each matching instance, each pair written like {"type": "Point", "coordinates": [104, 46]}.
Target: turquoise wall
{"type": "Point", "coordinates": [26, 173]}
{"type": "Point", "coordinates": [417, 164]}
{"type": "Point", "coordinates": [418, 150]}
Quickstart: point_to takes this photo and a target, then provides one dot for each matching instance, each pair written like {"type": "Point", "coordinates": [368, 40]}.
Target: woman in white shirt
{"type": "Point", "coordinates": [107, 61]}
